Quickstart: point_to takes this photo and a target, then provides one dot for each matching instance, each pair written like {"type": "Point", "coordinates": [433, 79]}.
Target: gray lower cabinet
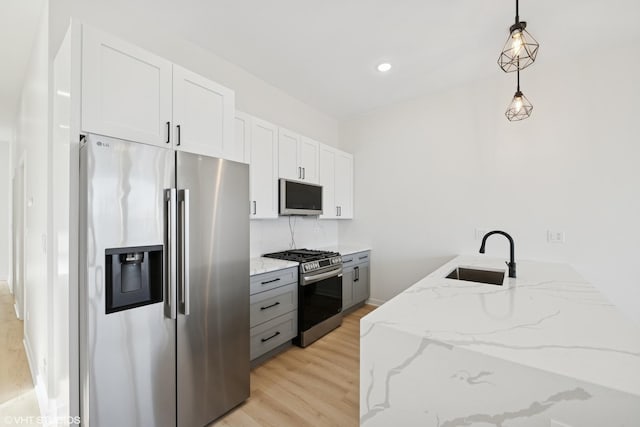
{"type": "Point", "coordinates": [273, 310]}
{"type": "Point", "coordinates": [355, 279]}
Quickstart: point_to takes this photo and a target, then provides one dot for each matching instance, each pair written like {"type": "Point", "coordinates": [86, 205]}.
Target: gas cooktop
{"type": "Point", "coordinates": [303, 255]}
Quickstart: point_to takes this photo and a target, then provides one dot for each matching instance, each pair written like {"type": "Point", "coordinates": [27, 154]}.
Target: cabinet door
{"type": "Point", "coordinates": [126, 91]}
{"type": "Point", "coordinates": [361, 283]}
{"type": "Point", "coordinates": [203, 114]}
{"type": "Point", "coordinates": [347, 287]}
{"type": "Point", "coordinates": [241, 148]}
{"type": "Point", "coordinates": [308, 159]}
{"type": "Point", "coordinates": [326, 178]}
{"type": "Point", "coordinates": [288, 166]}
{"type": "Point", "coordinates": [264, 169]}
{"type": "Point", "coordinates": [344, 184]}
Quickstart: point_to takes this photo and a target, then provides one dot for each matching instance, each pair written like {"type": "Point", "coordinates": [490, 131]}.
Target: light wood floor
{"type": "Point", "coordinates": [15, 378]}
{"type": "Point", "coordinates": [314, 386]}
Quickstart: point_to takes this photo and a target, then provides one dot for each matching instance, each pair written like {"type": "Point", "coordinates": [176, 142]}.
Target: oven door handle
{"type": "Point", "coordinates": [307, 280]}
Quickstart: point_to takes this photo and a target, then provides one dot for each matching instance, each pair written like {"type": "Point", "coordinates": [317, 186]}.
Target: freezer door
{"type": "Point", "coordinates": [213, 288]}
{"type": "Point", "coordinates": [127, 343]}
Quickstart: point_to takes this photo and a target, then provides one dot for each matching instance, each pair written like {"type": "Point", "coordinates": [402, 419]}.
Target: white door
{"type": "Point", "coordinates": [344, 185]}
{"type": "Point", "coordinates": [126, 91]}
{"type": "Point", "coordinates": [288, 165]}
{"type": "Point", "coordinates": [203, 115]}
{"type": "Point", "coordinates": [241, 149]}
{"type": "Point", "coordinates": [326, 176]}
{"type": "Point", "coordinates": [264, 169]}
{"type": "Point", "coordinates": [308, 157]}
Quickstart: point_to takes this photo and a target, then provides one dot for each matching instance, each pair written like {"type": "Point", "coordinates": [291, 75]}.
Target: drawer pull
{"type": "Point", "coordinates": [269, 306]}
{"type": "Point", "coordinates": [364, 257]}
{"type": "Point", "coordinates": [272, 336]}
{"type": "Point", "coordinates": [271, 281]}
{"type": "Point", "coordinates": [347, 261]}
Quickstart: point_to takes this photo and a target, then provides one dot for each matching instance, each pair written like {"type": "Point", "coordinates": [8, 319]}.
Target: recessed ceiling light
{"type": "Point", "coordinates": [384, 67]}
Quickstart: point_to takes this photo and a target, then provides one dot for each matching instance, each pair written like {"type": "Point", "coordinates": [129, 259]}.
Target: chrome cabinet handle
{"type": "Point", "coordinates": [178, 135]}
{"type": "Point", "coordinates": [272, 336]}
{"type": "Point", "coordinates": [304, 173]}
{"type": "Point", "coordinates": [337, 210]}
{"type": "Point", "coordinates": [183, 198]}
{"type": "Point", "coordinates": [170, 253]}
{"type": "Point", "coordinates": [299, 172]}
{"type": "Point", "coordinates": [270, 306]}
{"type": "Point", "coordinates": [255, 207]}
{"type": "Point", "coordinates": [168, 132]}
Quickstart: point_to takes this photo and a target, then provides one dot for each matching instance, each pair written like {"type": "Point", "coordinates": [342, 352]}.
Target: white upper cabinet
{"type": "Point", "coordinates": [126, 91]}
{"type": "Point", "coordinates": [288, 166]}
{"type": "Point", "coordinates": [336, 178]}
{"type": "Point", "coordinates": [203, 115]}
{"type": "Point", "coordinates": [344, 185]}
{"type": "Point", "coordinates": [264, 169]}
{"type": "Point", "coordinates": [132, 94]}
{"type": "Point", "coordinates": [241, 149]}
{"type": "Point", "coordinates": [308, 157]}
{"type": "Point", "coordinates": [298, 157]}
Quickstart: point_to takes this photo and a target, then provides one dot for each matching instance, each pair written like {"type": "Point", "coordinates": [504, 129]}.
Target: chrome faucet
{"type": "Point", "coordinates": [512, 261]}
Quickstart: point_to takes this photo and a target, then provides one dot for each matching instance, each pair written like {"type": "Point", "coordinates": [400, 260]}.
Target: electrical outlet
{"type": "Point", "coordinates": [555, 423]}
{"type": "Point", "coordinates": [555, 236]}
{"type": "Point", "coordinates": [480, 232]}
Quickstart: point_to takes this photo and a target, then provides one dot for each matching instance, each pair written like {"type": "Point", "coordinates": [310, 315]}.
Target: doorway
{"type": "Point", "coordinates": [17, 271]}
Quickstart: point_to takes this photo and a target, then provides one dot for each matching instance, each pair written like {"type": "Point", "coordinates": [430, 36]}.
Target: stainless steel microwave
{"type": "Point", "coordinates": [300, 198]}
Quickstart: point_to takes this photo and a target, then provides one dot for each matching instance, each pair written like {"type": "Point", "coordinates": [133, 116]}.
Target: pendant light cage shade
{"type": "Point", "coordinates": [519, 109]}
{"type": "Point", "coordinates": [519, 51]}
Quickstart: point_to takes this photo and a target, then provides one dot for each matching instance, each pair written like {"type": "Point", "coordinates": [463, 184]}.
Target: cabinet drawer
{"type": "Point", "coordinates": [273, 333]}
{"type": "Point", "coordinates": [357, 258]}
{"type": "Point", "coordinates": [273, 279]}
{"type": "Point", "coordinates": [273, 303]}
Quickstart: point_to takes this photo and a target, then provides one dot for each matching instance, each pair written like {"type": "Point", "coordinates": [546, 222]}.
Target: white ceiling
{"type": "Point", "coordinates": [18, 27]}
{"type": "Point", "coordinates": [325, 52]}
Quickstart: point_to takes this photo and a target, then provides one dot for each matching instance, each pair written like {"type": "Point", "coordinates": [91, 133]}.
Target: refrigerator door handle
{"type": "Point", "coordinates": [183, 198]}
{"type": "Point", "coordinates": [170, 253]}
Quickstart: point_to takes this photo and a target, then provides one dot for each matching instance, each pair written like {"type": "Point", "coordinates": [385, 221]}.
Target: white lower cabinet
{"type": "Point", "coordinates": [273, 311]}
{"type": "Point", "coordinates": [355, 279]}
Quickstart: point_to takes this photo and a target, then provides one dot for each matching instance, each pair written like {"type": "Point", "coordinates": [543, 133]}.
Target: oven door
{"type": "Point", "coordinates": [320, 297]}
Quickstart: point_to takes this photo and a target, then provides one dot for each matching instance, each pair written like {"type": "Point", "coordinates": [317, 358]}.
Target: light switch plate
{"type": "Point", "coordinates": [554, 236]}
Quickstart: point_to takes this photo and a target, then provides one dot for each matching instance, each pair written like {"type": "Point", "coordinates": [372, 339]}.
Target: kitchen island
{"type": "Point", "coordinates": [544, 349]}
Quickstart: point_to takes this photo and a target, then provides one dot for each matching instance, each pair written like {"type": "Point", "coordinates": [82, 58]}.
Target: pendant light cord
{"type": "Point", "coordinates": [518, 77]}
{"type": "Point", "coordinates": [517, 13]}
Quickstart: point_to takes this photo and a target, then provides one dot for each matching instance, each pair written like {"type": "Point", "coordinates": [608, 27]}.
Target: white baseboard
{"type": "Point", "coordinates": [375, 302]}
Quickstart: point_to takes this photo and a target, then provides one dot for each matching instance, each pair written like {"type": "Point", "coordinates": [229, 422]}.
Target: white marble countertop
{"type": "Point", "coordinates": [261, 265]}
{"type": "Point", "coordinates": [347, 248]}
{"type": "Point", "coordinates": [548, 318]}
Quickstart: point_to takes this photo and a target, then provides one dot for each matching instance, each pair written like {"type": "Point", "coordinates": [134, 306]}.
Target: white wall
{"type": "Point", "coordinates": [31, 144]}
{"type": "Point", "coordinates": [431, 170]}
{"type": "Point", "coordinates": [273, 235]}
{"type": "Point", "coordinates": [5, 211]}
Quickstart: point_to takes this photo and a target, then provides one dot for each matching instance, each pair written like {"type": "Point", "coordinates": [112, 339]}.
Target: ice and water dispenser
{"type": "Point", "coordinates": [133, 277]}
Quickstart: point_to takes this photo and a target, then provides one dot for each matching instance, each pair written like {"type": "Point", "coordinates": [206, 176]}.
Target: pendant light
{"type": "Point", "coordinates": [521, 48]}
{"type": "Point", "coordinates": [520, 108]}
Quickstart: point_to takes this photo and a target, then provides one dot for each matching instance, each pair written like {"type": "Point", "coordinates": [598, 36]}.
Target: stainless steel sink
{"type": "Point", "coordinates": [490, 277]}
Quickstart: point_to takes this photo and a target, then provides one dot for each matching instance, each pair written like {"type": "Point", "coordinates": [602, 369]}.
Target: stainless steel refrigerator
{"type": "Point", "coordinates": [164, 285]}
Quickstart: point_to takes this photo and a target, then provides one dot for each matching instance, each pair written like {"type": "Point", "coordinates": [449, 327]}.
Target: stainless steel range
{"type": "Point", "coordinates": [319, 292]}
